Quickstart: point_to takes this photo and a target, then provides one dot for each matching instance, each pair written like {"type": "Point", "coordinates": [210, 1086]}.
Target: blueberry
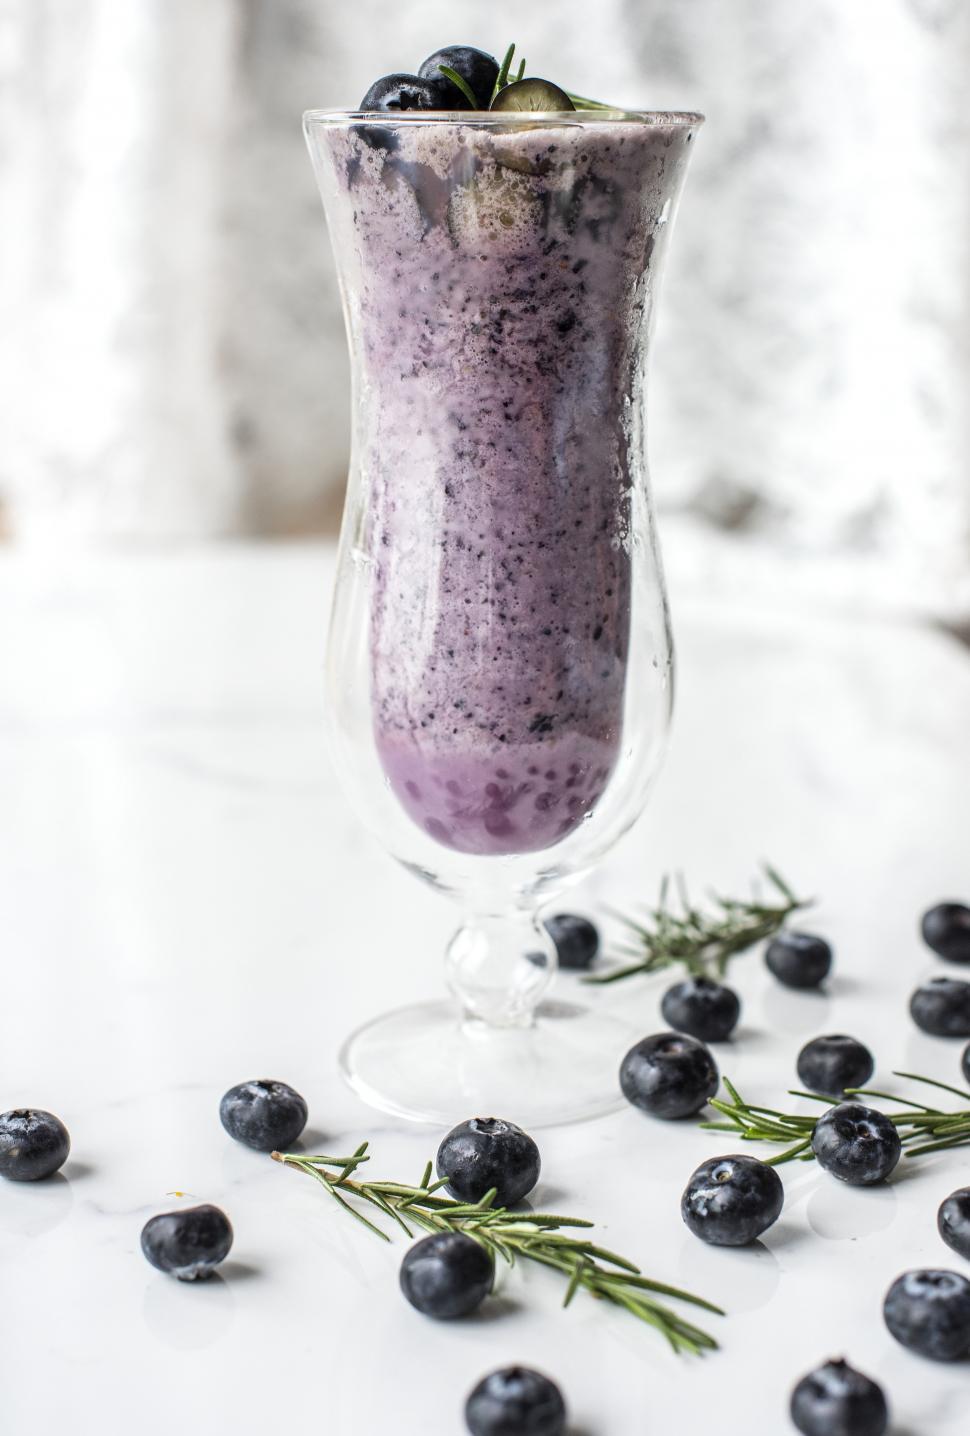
{"type": "Point", "coordinates": [857, 1144]}
{"type": "Point", "coordinates": [730, 1201]}
{"type": "Point", "coordinates": [533, 94]}
{"type": "Point", "coordinates": [705, 1009]}
{"type": "Point", "coordinates": [929, 1313]}
{"type": "Point", "coordinates": [798, 959]}
{"type": "Point", "coordinates": [408, 92]}
{"type": "Point", "coordinates": [189, 1243]}
{"type": "Point", "coordinates": [478, 70]}
{"type": "Point", "coordinates": [942, 1007]}
{"type": "Point", "coordinates": [946, 929]}
{"type": "Point", "coordinates": [953, 1221]}
{"type": "Point", "coordinates": [831, 1064]}
{"type": "Point", "coordinates": [516, 1401]}
{"type": "Point", "coordinates": [577, 940]}
{"type": "Point", "coordinates": [33, 1144]}
{"type": "Point", "coordinates": [837, 1400]}
{"type": "Point", "coordinates": [669, 1075]}
{"type": "Point", "coordinates": [487, 1152]}
{"type": "Point", "coordinates": [965, 1063]}
{"type": "Point", "coordinates": [446, 1275]}
{"type": "Point", "coordinates": [268, 1116]}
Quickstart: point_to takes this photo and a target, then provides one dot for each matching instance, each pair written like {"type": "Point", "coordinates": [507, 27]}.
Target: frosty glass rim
{"type": "Point", "coordinates": [497, 119]}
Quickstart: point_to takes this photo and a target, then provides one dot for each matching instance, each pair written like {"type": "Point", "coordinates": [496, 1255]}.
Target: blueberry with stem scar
{"type": "Point", "coordinates": [33, 1144]}
{"type": "Point", "coordinates": [837, 1400]}
{"type": "Point", "coordinates": [486, 1153]}
{"type": "Point", "coordinates": [941, 1007]}
{"type": "Point", "coordinates": [516, 1401]}
{"type": "Point", "coordinates": [857, 1144]}
{"type": "Point", "coordinates": [831, 1064]}
{"type": "Point", "coordinates": [265, 1115]}
{"type": "Point", "coordinates": [669, 1075]}
{"type": "Point", "coordinates": [730, 1201]}
{"type": "Point", "coordinates": [705, 1009]}
{"type": "Point", "coordinates": [929, 1312]}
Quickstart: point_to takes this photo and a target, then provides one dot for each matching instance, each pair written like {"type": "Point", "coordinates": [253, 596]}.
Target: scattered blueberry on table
{"type": "Point", "coordinates": [941, 1007]}
{"type": "Point", "coordinates": [577, 940]}
{"type": "Point", "coordinates": [965, 1063]}
{"type": "Point", "coordinates": [188, 1244]}
{"type": "Point", "coordinates": [446, 1275]}
{"type": "Point", "coordinates": [830, 1064]}
{"type": "Point", "coordinates": [265, 1115]}
{"type": "Point", "coordinates": [516, 1401]}
{"type": "Point", "coordinates": [488, 1152]}
{"type": "Point", "coordinates": [799, 959]}
{"type": "Point", "coordinates": [953, 1221]}
{"type": "Point", "coordinates": [33, 1144]}
{"type": "Point", "coordinates": [730, 1201]}
{"type": "Point", "coordinates": [669, 1075]}
{"type": "Point", "coordinates": [929, 1313]}
{"type": "Point", "coordinates": [857, 1144]}
{"type": "Point", "coordinates": [837, 1400]}
{"type": "Point", "coordinates": [946, 929]}
{"type": "Point", "coordinates": [702, 1008]}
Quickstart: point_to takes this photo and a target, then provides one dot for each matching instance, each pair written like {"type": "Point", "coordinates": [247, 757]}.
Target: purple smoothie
{"type": "Point", "coordinates": [504, 282]}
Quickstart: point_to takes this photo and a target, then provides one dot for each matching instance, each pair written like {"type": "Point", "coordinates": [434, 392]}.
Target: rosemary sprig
{"type": "Point", "coordinates": [921, 1128]}
{"type": "Point", "coordinates": [461, 84]}
{"type": "Point", "coordinates": [534, 1236]}
{"type": "Point", "coordinates": [582, 103]}
{"type": "Point", "coordinates": [502, 78]}
{"type": "Point", "coordinates": [704, 941]}
{"type": "Point", "coordinates": [505, 77]}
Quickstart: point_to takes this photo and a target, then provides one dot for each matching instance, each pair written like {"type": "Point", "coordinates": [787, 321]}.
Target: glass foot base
{"type": "Point", "coordinates": [427, 1064]}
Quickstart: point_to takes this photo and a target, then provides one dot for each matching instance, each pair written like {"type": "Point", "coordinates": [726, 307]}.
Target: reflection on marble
{"type": "Point", "coordinates": [840, 1213]}
{"type": "Point", "coordinates": [184, 925]}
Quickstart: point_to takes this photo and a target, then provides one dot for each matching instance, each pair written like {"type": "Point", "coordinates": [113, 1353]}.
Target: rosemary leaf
{"type": "Point", "coordinates": [537, 1237]}
{"type": "Point", "coordinates": [703, 941]}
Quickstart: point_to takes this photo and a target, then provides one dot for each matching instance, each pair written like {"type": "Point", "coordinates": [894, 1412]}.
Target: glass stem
{"type": "Point", "coordinates": [499, 965]}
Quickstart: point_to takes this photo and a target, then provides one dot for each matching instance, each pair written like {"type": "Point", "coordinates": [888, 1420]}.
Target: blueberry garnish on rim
{"type": "Point", "coordinates": [477, 74]}
{"type": "Point", "coordinates": [532, 94]}
{"type": "Point", "coordinates": [408, 92]}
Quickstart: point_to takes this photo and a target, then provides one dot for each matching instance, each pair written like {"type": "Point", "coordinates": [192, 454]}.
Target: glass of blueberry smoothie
{"type": "Point", "coordinates": [499, 665]}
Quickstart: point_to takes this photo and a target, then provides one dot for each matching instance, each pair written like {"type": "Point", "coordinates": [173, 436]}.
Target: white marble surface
{"type": "Point", "coordinates": [187, 901]}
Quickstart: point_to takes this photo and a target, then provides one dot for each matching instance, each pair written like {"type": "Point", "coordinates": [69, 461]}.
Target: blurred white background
{"type": "Point", "coordinates": [172, 361]}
